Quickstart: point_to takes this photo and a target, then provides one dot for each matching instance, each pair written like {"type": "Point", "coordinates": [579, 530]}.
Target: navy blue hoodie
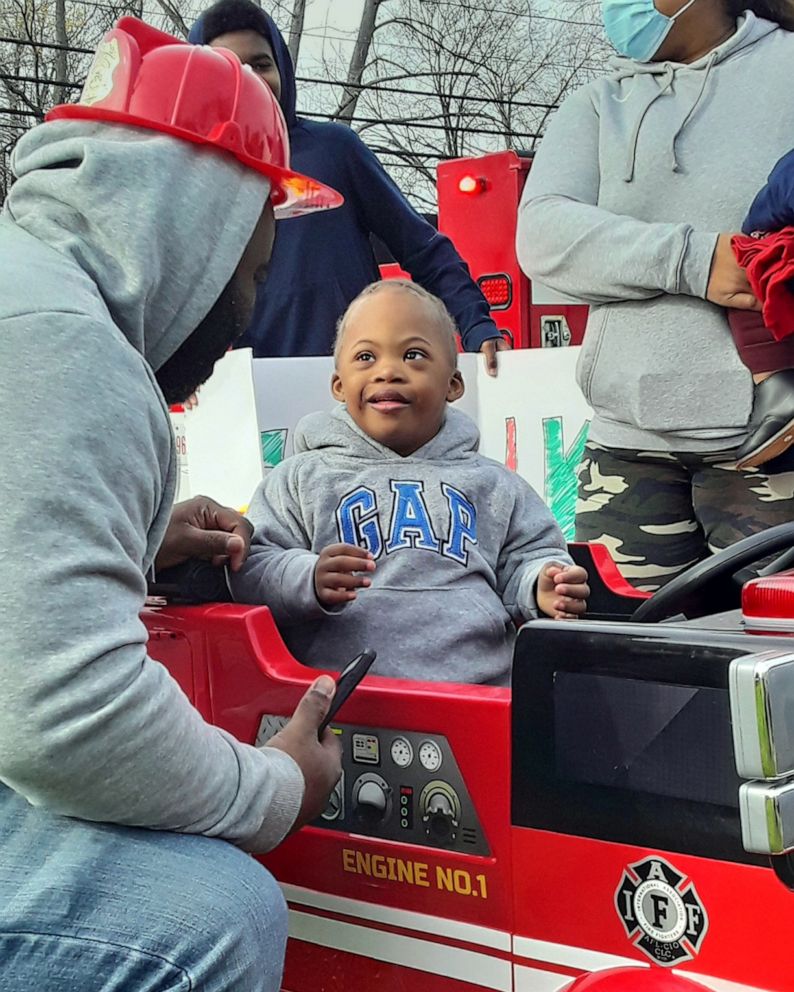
{"type": "Point", "coordinates": [322, 261]}
{"type": "Point", "coordinates": [773, 207]}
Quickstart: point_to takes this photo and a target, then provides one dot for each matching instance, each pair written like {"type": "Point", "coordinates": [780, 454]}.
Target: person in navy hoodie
{"type": "Point", "coordinates": [331, 255]}
{"type": "Point", "coordinates": [765, 339]}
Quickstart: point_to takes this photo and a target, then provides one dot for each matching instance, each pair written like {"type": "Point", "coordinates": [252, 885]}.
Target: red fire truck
{"type": "Point", "coordinates": [477, 208]}
{"type": "Point", "coordinates": [617, 821]}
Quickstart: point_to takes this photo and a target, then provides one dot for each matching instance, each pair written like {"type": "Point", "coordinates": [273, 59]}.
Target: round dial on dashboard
{"type": "Point", "coordinates": [335, 805]}
{"type": "Point", "coordinates": [402, 754]}
{"type": "Point", "coordinates": [371, 799]}
{"type": "Point", "coordinates": [430, 755]}
{"type": "Point", "coordinates": [439, 805]}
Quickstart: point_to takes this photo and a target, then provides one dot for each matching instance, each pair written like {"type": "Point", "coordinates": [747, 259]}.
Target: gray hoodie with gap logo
{"type": "Point", "coordinates": [458, 542]}
{"type": "Point", "coordinates": [637, 175]}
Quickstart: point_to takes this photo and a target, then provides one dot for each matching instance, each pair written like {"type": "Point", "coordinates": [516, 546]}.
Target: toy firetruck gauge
{"type": "Point", "coordinates": [430, 755]}
{"type": "Point", "coordinates": [440, 808]}
{"type": "Point", "coordinates": [371, 799]}
{"type": "Point", "coordinates": [336, 802]}
{"type": "Point", "coordinates": [402, 754]}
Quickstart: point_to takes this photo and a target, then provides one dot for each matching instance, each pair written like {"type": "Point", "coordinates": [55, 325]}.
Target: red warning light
{"type": "Point", "coordinates": [471, 185]}
{"type": "Point", "coordinates": [768, 603]}
{"type": "Point", "coordinates": [497, 290]}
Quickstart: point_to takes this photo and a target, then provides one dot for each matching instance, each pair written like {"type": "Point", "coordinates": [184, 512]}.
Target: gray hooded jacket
{"type": "Point", "coordinates": [100, 284]}
{"type": "Point", "coordinates": [458, 542]}
{"type": "Point", "coordinates": [637, 175]}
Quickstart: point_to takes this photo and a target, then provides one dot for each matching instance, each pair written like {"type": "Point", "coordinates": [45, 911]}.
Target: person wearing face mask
{"type": "Point", "coordinates": [630, 206]}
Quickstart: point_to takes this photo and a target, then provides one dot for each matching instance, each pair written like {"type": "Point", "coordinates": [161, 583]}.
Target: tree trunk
{"type": "Point", "coordinates": [358, 61]}
{"type": "Point", "coordinates": [296, 29]}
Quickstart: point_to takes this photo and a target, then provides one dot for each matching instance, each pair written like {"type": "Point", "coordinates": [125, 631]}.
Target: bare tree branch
{"type": "Point", "coordinates": [358, 61]}
{"type": "Point", "coordinates": [174, 16]}
{"type": "Point", "coordinates": [296, 28]}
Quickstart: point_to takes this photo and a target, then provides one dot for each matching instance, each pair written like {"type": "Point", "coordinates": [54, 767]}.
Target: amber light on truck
{"type": "Point", "coordinates": [497, 290]}
{"type": "Point", "coordinates": [768, 603]}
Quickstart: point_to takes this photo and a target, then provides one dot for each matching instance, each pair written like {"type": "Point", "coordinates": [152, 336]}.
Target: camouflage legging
{"type": "Point", "coordinates": [659, 513]}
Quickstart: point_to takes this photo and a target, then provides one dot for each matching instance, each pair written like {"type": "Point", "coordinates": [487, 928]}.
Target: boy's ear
{"type": "Point", "coordinates": [456, 387]}
{"type": "Point", "coordinates": [337, 389]}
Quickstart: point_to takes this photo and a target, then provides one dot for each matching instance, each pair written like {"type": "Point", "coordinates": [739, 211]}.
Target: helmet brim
{"type": "Point", "coordinates": [292, 193]}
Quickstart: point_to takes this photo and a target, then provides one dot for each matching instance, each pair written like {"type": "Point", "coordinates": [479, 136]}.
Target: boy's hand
{"type": "Point", "coordinates": [335, 574]}
{"type": "Point", "coordinates": [562, 591]}
{"type": "Point", "coordinates": [320, 761]}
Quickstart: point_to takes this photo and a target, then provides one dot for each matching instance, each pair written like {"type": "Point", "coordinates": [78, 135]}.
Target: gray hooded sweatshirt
{"type": "Point", "coordinates": [99, 284]}
{"type": "Point", "coordinates": [458, 542]}
{"type": "Point", "coordinates": [637, 175]}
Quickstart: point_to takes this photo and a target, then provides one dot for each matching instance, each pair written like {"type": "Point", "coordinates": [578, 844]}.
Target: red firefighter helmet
{"type": "Point", "coordinates": [146, 78]}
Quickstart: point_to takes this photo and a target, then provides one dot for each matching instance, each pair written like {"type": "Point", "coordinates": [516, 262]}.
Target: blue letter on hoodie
{"type": "Point", "coordinates": [410, 521]}
{"type": "Point", "coordinates": [462, 525]}
{"type": "Point", "coordinates": [357, 521]}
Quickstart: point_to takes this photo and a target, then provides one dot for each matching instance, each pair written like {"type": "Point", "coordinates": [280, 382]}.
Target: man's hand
{"type": "Point", "coordinates": [562, 591]}
{"type": "Point", "coordinates": [320, 761]}
{"type": "Point", "coordinates": [488, 350]}
{"type": "Point", "coordinates": [728, 283]}
{"type": "Point", "coordinates": [336, 574]}
{"type": "Point", "coordinates": [202, 528]}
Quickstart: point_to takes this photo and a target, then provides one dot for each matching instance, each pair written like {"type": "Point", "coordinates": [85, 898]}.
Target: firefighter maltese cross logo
{"type": "Point", "coordinates": [661, 911]}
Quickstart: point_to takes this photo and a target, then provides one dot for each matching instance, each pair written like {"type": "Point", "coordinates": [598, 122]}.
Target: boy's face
{"type": "Point", "coordinates": [254, 50]}
{"type": "Point", "coordinates": [395, 371]}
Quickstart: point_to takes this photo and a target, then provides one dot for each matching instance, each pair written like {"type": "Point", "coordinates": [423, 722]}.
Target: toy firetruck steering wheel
{"type": "Point", "coordinates": [710, 586]}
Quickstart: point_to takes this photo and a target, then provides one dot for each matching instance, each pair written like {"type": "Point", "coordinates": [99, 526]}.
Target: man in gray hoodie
{"type": "Point", "coordinates": [130, 247]}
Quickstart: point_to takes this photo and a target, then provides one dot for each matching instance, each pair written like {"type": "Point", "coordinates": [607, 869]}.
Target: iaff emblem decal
{"type": "Point", "coordinates": [661, 911]}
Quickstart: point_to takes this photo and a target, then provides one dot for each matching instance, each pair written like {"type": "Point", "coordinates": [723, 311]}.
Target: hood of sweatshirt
{"type": "Point", "coordinates": [339, 434]}
{"type": "Point", "coordinates": [280, 54]}
{"type": "Point", "coordinates": [157, 224]}
{"type": "Point", "coordinates": [646, 82]}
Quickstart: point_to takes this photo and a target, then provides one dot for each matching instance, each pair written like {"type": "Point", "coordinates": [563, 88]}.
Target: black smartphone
{"type": "Point", "coordinates": [346, 682]}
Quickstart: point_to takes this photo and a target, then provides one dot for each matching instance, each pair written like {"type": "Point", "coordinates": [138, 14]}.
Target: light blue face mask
{"type": "Point", "coordinates": [636, 28]}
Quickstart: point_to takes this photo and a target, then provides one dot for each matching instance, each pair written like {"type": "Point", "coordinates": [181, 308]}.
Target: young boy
{"type": "Point", "coordinates": [388, 530]}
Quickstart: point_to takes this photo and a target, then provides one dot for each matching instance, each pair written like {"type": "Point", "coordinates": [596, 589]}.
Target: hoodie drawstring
{"type": "Point", "coordinates": [631, 158]}
{"type": "Point", "coordinates": [669, 74]}
{"type": "Point", "coordinates": [692, 109]}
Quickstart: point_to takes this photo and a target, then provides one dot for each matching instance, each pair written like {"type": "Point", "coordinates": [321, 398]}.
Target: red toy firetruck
{"type": "Point", "coordinates": [478, 209]}
{"type": "Point", "coordinates": [619, 821]}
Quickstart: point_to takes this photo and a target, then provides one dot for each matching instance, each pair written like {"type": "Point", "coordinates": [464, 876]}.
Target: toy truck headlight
{"type": "Point", "coordinates": [766, 810]}
{"type": "Point", "coordinates": [762, 714]}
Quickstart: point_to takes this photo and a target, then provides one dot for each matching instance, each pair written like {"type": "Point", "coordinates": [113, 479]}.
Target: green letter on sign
{"type": "Point", "coordinates": [560, 472]}
{"type": "Point", "coordinates": [273, 444]}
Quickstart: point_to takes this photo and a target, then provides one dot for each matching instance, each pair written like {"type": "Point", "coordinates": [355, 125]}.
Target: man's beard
{"type": "Point", "coordinates": [193, 361]}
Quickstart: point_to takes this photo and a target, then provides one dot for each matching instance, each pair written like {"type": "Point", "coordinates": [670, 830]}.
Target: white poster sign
{"type": "Point", "coordinates": [218, 443]}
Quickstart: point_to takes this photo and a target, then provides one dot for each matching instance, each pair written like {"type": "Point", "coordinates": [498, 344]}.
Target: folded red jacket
{"type": "Point", "coordinates": [769, 263]}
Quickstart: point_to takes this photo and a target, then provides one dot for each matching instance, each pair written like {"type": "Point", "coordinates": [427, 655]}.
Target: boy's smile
{"type": "Point", "coordinates": [395, 369]}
